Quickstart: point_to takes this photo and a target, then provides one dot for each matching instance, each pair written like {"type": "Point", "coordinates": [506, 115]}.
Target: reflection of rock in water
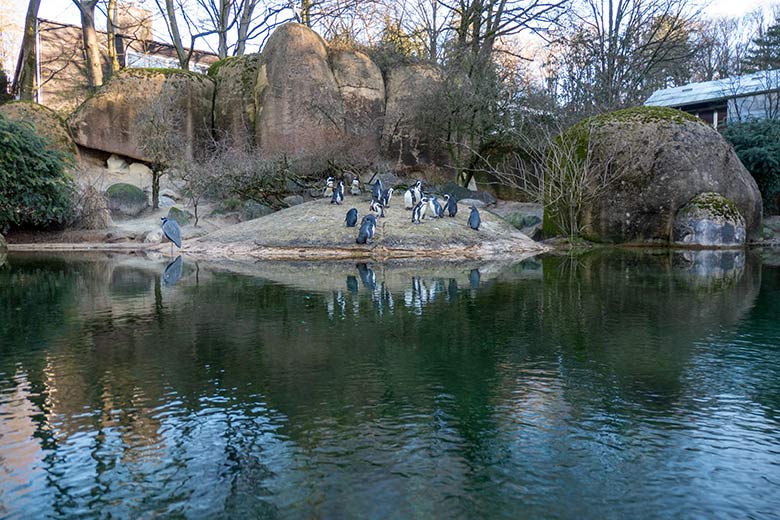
{"type": "Point", "coordinates": [352, 284]}
{"type": "Point", "coordinates": [129, 281]}
{"type": "Point", "coordinates": [173, 271]}
{"type": "Point", "coordinates": [709, 268]}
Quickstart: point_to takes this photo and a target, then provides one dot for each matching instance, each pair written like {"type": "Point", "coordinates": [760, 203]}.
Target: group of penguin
{"type": "Point", "coordinates": [414, 199]}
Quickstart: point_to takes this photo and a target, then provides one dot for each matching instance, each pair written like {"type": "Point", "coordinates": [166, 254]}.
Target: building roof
{"type": "Point", "coordinates": [721, 89]}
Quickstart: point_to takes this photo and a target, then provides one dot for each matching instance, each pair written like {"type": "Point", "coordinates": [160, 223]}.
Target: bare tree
{"type": "Point", "coordinates": [25, 83]}
{"type": "Point", "coordinates": [91, 49]}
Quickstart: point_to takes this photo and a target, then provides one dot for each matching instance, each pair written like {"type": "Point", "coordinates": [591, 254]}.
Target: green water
{"type": "Point", "coordinates": [623, 385]}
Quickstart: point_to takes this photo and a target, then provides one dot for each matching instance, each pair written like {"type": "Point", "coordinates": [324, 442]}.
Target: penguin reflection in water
{"type": "Point", "coordinates": [367, 229]}
{"type": "Point", "coordinates": [351, 218]}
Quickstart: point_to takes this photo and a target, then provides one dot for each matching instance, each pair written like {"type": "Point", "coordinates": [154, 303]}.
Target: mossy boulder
{"type": "Point", "coordinates": [657, 160]}
{"type": "Point", "coordinates": [181, 216]}
{"type": "Point", "coordinates": [46, 121]}
{"type": "Point", "coordinates": [709, 219]}
{"type": "Point", "coordinates": [107, 120]}
{"type": "Point", "coordinates": [235, 99]}
{"type": "Point", "coordinates": [126, 200]}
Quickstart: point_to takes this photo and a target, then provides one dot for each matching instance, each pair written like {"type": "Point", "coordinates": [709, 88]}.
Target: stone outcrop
{"type": "Point", "coordinates": [405, 86]}
{"type": "Point", "coordinates": [362, 91]}
{"type": "Point", "coordinates": [108, 120]}
{"type": "Point", "coordinates": [126, 200]}
{"type": "Point", "coordinates": [46, 122]}
{"type": "Point", "coordinates": [658, 160]}
{"type": "Point", "coordinates": [235, 100]}
{"type": "Point", "coordinates": [299, 109]}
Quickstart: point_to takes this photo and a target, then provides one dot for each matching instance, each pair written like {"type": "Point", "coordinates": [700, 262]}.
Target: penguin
{"type": "Point", "coordinates": [435, 207]}
{"type": "Point", "coordinates": [452, 206]}
{"type": "Point", "coordinates": [418, 213]}
{"type": "Point", "coordinates": [338, 194]}
{"type": "Point", "coordinates": [386, 195]}
{"type": "Point", "coordinates": [377, 207]}
{"type": "Point", "coordinates": [474, 219]}
{"type": "Point", "coordinates": [327, 190]}
{"type": "Point", "coordinates": [352, 216]}
{"type": "Point", "coordinates": [409, 199]}
{"type": "Point", "coordinates": [367, 229]}
{"type": "Point", "coordinates": [376, 191]}
{"type": "Point", "coordinates": [355, 188]}
{"type": "Point", "coordinates": [417, 190]}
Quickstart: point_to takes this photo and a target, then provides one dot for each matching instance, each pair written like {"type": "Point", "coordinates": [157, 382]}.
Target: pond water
{"type": "Point", "coordinates": [616, 385]}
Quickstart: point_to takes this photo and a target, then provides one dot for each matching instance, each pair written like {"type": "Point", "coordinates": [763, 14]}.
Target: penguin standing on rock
{"type": "Point", "coordinates": [409, 200]}
{"type": "Point", "coordinates": [355, 188]}
{"type": "Point", "coordinates": [376, 191]}
{"type": "Point", "coordinates": [352, 216]}
{"type": "Point", "coordinates": [327, 190]}
{"type": "Point", "coordinates": [377, 207]}
{"type": "Point", "coordinates": [417, 190]}
{"type": "Point", "coordinates": [338, 194]}
{"type": "Point", "coordinates": [386, 195]}
{"type": "Point", "coordinates": [367, 229]}
{"type": "Point", "coordinates": [418, 213]}
{"type": "Point", "coordinates": [451, 204]}
{"type": "Point", "coordinates": [474, 220]}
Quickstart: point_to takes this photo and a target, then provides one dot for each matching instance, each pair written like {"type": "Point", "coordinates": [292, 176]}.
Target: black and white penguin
{"type": "Point", "coordinates": [474, 219]}
{"type": "Point", "coordinates": [417, 190]}
{"type": "Point", "coordinates": [354, 189]}
{"type": "Point", "coordinates": [386, 195]}
{"type": "Point", "coordinates": [377, 207]}
{"type": "Point", "coordinates": [367, 229]}
{"type": "Point", "coordinates": [376, 191]}
{"type": "Point", "coordinates": [409, 199]}
{"type": "Point", "coordinates": [418, 213]}
{"type": "Point", "coordinates": [452, 205]}
{"type": "Point", "coordinates": [435, 207]}
{"type": "Point", "coordinates": [338, 194]}
{"type": "Point", "coordinates": [352, 216]}
{"type": "Point", "coordinates": [327, 190]}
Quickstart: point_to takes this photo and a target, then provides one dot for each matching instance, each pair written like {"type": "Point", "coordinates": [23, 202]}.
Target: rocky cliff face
{"type": "Point", "coordinates": [107, 120]}
{"type": "Point", "coordinates": [46, 122]}
{"type": "Point", "coordinates": [296, 97]}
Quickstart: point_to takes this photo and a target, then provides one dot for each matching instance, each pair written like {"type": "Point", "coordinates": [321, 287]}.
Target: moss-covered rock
{"type": "Point", "coordinates": [179, 215]}
{"type": "Point", "coordinates": [126, 200]}
{"type": "Point", "coordinates": [709, 219]}
{"type": "Point", "coordinates": [657, 160]}
{"type": "Point", "coordinates": [107, 120]}
{"type": "Point", "coordinates": [46, 121]}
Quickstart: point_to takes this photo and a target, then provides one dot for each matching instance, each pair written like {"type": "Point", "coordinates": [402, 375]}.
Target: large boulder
{"type": "Point", "coordinates": [657, 160]}
{"type": "Point", "coordinates": [299, 108]}
{"type": "Point", "coordinates": [709, 220]}
{"type": "Point", "coordinates": [235, 102]}
{"type": "Point", "coordinates": [107, 121]}
{"type": "Point", "coordinates": [362, 91]}
{"type": "Point", "coordinates": [126, 200]}
{"type": "Point", "coordinates": [405, 87]}
{"type": "Point", "coordinates": [46, 122]}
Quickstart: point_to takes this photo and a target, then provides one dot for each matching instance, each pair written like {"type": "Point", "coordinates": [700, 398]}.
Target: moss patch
{"type": "Point", "coordinates": [126, 193]}
{"type": "Point", "coordinates": [180, 216]}
{"type": "Point", "coordinates": [716, 205]}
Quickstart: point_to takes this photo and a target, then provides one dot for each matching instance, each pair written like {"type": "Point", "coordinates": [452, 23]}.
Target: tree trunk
{"type": "Point", "coordinates": [156, 174]}
{"type": "Point", "coordinates": [25, 82]}
{"type": "Point", "coordinates": [113, 56]}
{"type": "Point", "coordinates": [91, 48]}
{"type": "Point", "coordinates": [173, 27]}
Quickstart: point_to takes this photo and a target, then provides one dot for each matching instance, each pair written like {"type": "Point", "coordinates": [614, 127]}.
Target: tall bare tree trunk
{"type": "Point", "coordinates": [113, 55]}
{"type": "Point", "coordinates": [173, 29]}
{"type": "Point", "coordinates": [25, 81]}
{"type": "Point", "coordinates": [91, 48]}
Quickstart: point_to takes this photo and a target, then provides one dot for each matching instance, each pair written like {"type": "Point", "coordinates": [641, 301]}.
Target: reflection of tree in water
{"type": "Point", "coordinates": [273, 376]}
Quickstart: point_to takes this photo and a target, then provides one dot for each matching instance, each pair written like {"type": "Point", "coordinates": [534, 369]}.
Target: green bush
{"type": "Point", "coordinates": [35, 191]}
{"type": "Point", "coordinates": [757, 144]}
